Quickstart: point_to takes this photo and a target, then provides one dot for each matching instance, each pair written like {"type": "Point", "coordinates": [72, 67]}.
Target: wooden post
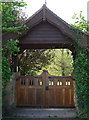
{"type": "Point", "coordinates": [15, 63]}
{"type": "Point", "coordinates": [45, 79]}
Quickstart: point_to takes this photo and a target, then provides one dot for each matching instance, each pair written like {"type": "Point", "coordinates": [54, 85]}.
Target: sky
{"type": "Point", "coordinates": [63, 8]}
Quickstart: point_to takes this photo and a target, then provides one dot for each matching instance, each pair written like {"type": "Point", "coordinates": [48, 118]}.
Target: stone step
{"type": "Point", "coordinates": [44, 119]}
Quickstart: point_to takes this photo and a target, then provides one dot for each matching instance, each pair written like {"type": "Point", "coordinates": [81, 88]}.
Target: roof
{"type": "Point", "coordinates": [45, 14]}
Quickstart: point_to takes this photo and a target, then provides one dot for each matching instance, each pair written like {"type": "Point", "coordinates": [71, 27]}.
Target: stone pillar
{"type": "Point", "coordinates": [11, 97]}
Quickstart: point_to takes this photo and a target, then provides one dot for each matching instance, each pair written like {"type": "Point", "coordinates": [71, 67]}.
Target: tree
{"type": "Point", "coordinates": [62, 63]}
{"type": "Point", "coordinates": [80, 22]}
{"type": "Point", "coordinates": [31, 61]}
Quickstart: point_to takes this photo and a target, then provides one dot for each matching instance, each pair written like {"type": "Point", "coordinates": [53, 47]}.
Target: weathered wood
{"type": "Point", "coordinates": [45, 27]}
{"type": "Point", "coordinates": [45, 33]}
{"type": "Point", "coordinates": [45, 91]}
{"type": "Point", "coordinates": [15, 62]}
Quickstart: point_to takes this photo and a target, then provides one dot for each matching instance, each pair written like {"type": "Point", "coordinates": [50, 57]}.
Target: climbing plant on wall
{"type": "Point", "coordinates": [82, 80]}
{"type": "Point", "coordinates": [11, 22]}
{"type": "Point", "coordinates": [12, 16]}
{"type": "Point", "coordinates": [81, 65]}
{"type": "Point", "coordinates": [8, 49]}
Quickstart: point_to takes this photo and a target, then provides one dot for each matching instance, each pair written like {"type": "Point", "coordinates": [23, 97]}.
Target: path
{"type": "Point", "coordinates": [43, 113]}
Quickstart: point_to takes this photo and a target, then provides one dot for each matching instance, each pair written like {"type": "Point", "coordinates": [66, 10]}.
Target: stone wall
{"type": "Point", "coordinates": [10, 99]}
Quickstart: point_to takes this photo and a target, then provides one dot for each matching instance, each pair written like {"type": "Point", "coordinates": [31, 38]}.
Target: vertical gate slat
{"type": "Point", "coordinates": [36, 95]}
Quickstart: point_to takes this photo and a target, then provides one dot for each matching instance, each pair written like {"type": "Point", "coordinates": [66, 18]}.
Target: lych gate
{"type": "Point", "coordinates": [46, 30]}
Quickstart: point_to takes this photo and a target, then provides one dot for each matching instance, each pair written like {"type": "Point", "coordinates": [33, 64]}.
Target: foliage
{"type": "Point", "coordinates": [82, 80]}
{"type": "Point", "coordinates": [80, 22]}
{"type": "Point", "coordinates": [62, 64]}
{"type": "Point", "coordinates": [56, 61]}
{"type": "Point", "coordinates": [11, 21]}
{"type": "Point", "coordinates": [81, 68]}
{"type": "Point", "coordinates": [8, 49]}
{"type": "Point", "coordinates": [31, 61]}
{"type": "Point", "coordinates": [11, 16]}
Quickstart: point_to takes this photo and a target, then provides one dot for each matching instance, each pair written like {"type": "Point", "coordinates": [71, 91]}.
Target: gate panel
{"type": "Point", "coordinates": [67, 96]}
{"type": "Point", "coordinates": [31, 91]}
{"type": "Point", "coordinates": [51, 97]}
{"type": "Point", "coordinates": [21, 92]}
{"type": "Point", "coordinates": [39, 97]}
{"type": "Point", "coordinates": [72, 96]}
{"type": "Point", "coordinates": [45, 91]}
{"type": "Point", "coordinates": [31, 96]}
{"type": "Point", "coordinates": [59, 97]}
{"type": "Point", "coordinates": [22, 96]}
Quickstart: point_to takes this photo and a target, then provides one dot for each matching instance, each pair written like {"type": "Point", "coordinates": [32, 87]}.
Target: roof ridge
{"type": "Point", "coordinates": [44, 12]}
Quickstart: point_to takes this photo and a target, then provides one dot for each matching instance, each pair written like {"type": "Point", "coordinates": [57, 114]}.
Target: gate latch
{"type": "Point", "coordinates": [47, 88]}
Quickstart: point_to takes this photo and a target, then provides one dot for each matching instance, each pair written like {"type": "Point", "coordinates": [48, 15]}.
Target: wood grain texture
{"type": "Point", "coordinates": [53, 91]}
{"type": "Point", "coordinates": [44, 32]}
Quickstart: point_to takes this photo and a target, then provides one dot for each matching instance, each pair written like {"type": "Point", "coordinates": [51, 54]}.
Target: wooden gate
{"type": "Point", "coordinates": [45, 91]}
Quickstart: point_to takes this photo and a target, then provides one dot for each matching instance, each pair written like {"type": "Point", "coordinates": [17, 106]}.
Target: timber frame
{"type": "Point", "coordinates": [45, 16]}
{"type": "Point", "coordinates": [46, 31]}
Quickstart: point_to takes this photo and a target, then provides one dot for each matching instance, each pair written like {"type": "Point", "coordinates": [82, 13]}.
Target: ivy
{"type": "Point", "coordinates": [82, 80]}
{"type": "Point", "coordinates": [81, 67]}
{"type": "Point", "coordinates": [12, 21]}
{"type": "Point", "coordinates": [10, 48]}
{"type": "Point", "coordinates": [15, 29]}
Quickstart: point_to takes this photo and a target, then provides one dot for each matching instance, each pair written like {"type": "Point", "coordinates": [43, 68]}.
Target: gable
{"type": "Point", "coordinates": [45, 27]}
{"type": "Point", "coordinates": [44, 14]}
{"type": "Point", "coordinates": [45, 33]}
